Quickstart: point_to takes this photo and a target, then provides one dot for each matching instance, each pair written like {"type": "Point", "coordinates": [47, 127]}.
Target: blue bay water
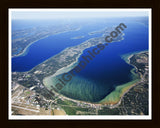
{"type": "Point", "coordinates": [50, 46]}
{"type": "Point", "coordinates": [106, 71]}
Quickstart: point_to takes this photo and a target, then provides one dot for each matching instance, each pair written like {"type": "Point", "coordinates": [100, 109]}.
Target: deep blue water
{"type": "Point", "coordinates": [106, 71]}
{"type": "Point", "coordinates": [52, 45]}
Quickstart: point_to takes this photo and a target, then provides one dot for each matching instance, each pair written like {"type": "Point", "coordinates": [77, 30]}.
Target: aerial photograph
{"type": "Point", "coordinates": [79, 64]}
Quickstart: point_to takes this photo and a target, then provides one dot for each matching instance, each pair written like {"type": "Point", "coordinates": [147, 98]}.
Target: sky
{"type": "Point", "coordinates": [75, 13]}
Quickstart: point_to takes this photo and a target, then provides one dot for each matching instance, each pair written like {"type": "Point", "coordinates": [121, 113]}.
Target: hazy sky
{"type": "Point", "coordinates": [74, 13]}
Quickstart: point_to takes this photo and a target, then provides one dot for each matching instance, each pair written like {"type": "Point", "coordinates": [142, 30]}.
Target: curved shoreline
{"type": "Point", "coordinates": [114, 104]}
{"type": "Point", "coordinates": [109, 99]}
{"type": "Point", "coordinates": [83, 46]}
{"type": "Point", "coordinates": [76, 61]}
{"type": "Point", "coordinates": [109, 104]}
{"type": "Point", "coordinates": [24, 50]}
{"type": "Point", "coordinates": [139, 81]}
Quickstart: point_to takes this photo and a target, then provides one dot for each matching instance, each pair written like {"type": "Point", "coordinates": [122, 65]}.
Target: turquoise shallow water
{"type": "Point", "coordinates": [106, 71]}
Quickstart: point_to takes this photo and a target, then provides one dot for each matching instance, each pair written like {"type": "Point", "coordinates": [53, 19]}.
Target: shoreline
{"type": "Point", "coordinates": [113, 104]}
{"type": "Point", "coordinates": [24, 50]}
{"type": "Point", "coordinates": [74, 62]}
{"type": "Point", "coordinates": [62, 50]}
{"type": "Point", "coordinates": [70, 65]}
{"type": "Point", "coordinates": [117, 103]}
{"type": "Point", "coordinates": [63, 68]}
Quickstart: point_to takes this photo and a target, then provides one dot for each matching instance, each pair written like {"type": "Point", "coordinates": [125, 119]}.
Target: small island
{"type": "Point", "coordinates": [78, 37]}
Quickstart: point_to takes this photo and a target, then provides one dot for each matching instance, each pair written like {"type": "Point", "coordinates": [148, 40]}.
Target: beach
{"type": "Point", "coordinates": [112, 100]}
